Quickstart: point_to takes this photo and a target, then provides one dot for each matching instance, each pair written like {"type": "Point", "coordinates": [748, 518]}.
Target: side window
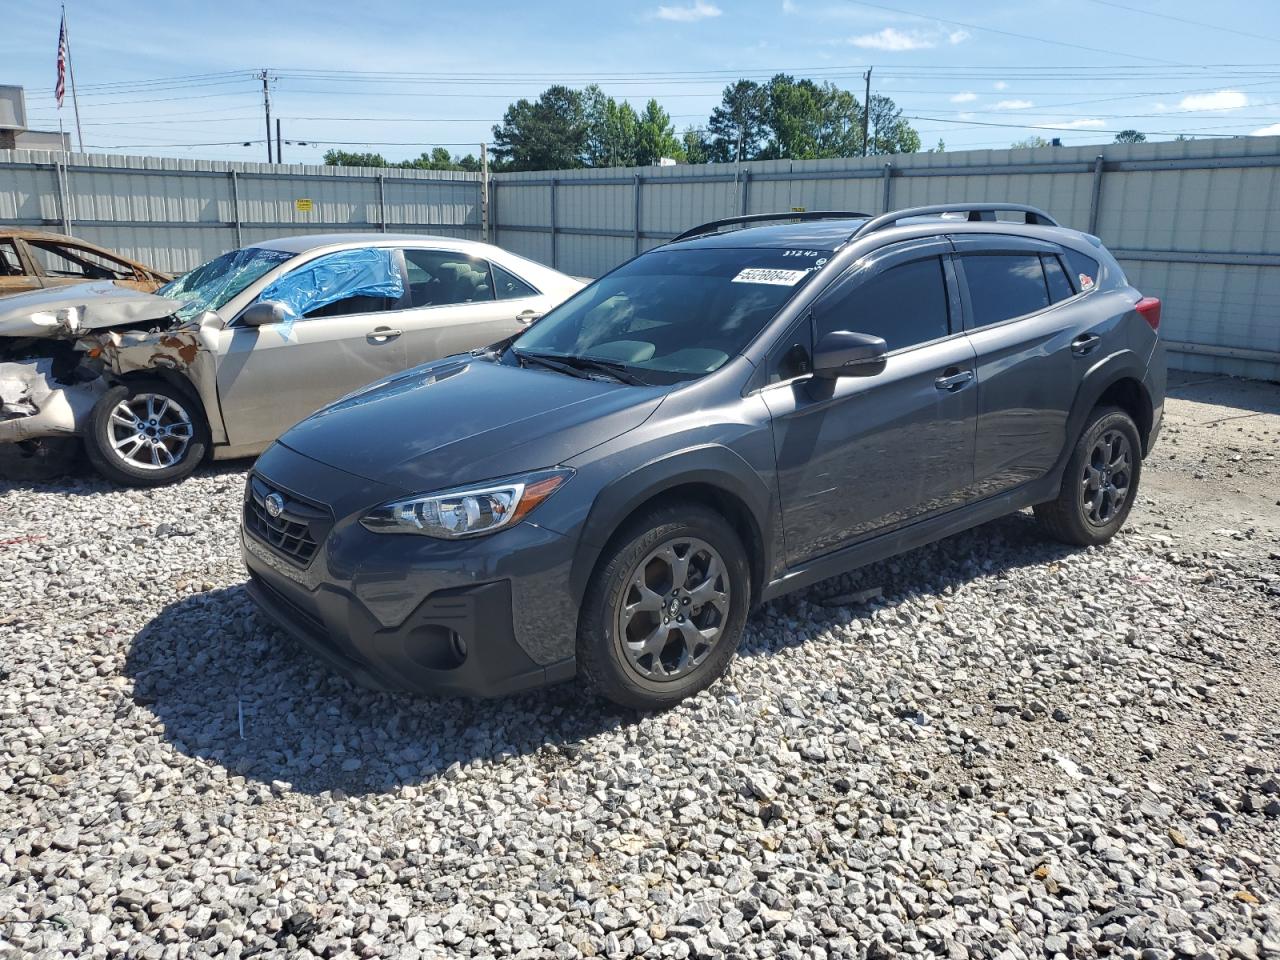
{"type": "Point", "coordinates": [438, 278]}
{"type": "Point", "coordinates": [1004, 285]}
{"type": "Point", "coordinates": [905, 305]}
{"type": "Point", "coordinates": [65, 260]}
{"type": "Point", "coordinates": [509, 286]}
{"type": "Point", "coordinates": [1084, 270]}
{"type": "Point", "coordinates": [10, 264]}
{"type": "Point", "coordinates": [1060, 287]}
{"type": "Point", "coordinates": [339, 284]}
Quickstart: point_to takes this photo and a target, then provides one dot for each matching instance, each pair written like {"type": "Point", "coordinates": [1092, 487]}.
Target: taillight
{"type": "Point", "coordinates": [1149, 307]}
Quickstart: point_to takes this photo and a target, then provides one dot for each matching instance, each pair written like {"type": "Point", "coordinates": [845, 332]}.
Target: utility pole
{"type": "Point", "coordinates": [266, 107]}
{"type": "Point", "coordinates": [484, 192]}
{"type": "Point", "coordinates": [279, 143]}
{"type": "Point", "coordinates": [866, 110]}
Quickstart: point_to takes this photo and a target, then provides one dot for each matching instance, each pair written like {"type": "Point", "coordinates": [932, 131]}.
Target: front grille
{"type": "Point", "coordinates": [295, 534]}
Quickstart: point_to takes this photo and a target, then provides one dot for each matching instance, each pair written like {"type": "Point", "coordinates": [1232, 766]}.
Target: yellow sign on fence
{"type": "Point", "coordinates": [303, 204]}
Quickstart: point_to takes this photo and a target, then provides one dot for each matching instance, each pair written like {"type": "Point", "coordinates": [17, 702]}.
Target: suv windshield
{"type": "Point", "coordinates": [674, 314]}
{"type": "Point", "coordinates": [211, 285]}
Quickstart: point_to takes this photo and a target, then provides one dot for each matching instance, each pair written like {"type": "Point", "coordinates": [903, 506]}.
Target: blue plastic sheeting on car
{"type": "Point", "coordinates": [337, 276]}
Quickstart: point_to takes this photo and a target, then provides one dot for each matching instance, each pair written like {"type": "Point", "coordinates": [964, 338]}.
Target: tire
{"type": "Point", "coordinates": [1099, 484]}
{"type": "Point", "coordinates": [44, 458]}
{"type": "Point", "coordinates": [160, 448]}
{"type": "Point", "coordinates": [682, 532]}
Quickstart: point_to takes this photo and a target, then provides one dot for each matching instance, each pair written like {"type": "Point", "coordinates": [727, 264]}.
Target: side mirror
{"type": "Point", "coordinates": [262, 313]}
{"type": "Point", "coordinates": [842, 353]}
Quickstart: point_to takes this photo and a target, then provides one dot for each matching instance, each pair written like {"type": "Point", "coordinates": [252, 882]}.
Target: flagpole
{"type": "Point", "coordinates": [75, 103]}
{"type": "Point", "coordinates": [62, 179]}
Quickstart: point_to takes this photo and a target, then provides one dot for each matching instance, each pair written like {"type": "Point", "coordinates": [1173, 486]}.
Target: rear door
{"type": "Point", "coordinates": [861, 455]}
{"type": "Point", "coordinates": [17, 273]}
{"type": "Point", "coordinates": [458, 302]}
{"type": "Point", "coordinates": [1030, 342]}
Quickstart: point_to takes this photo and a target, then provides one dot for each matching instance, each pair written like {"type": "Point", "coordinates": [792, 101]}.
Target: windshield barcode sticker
{"type": "Point", "coordinates": [779, 278]}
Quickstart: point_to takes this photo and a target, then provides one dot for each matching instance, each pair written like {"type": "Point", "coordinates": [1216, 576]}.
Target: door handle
{"type": "Point", "coordinates": [527, 317]}
{"type": "Point", "coordinates": [1085, 344]}
{"type": "Point", "coordinates": [953, 380]}
{"type": "Point", "coordinates": [382, 334]}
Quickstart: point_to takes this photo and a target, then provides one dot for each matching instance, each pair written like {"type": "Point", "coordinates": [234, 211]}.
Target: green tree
{"type": "Point", "coordinates": [655, 136]}
{"type": "Point", "coordinates": [343, 158]}
{"type": "Point", "coordinates": [794, 116]}
{"type": "Point", "coordinates": [547, 134]}
{"type": "Point", "coordinates": [1029, 142]}
{"type": "Point", "coordinates": [840, 134]}
{"type": "Point", "coordinates": [739, 125]}
{"type": "Point", "coordinates": [888, 131]}
{"type": "Point", "coordinates": [697, 148]}
{"type": "Point", "coordinates": [941, 147]}
{"type": "Point", "coordinates": [1130, 136]}
{"type": "Point", "coordinates": [612, 130]}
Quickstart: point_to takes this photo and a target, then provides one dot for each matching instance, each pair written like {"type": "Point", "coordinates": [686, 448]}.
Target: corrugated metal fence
{"type": "Point", "coordinates": [175, 214]}
{"type": "Point", "coordinates": [1196, 223]}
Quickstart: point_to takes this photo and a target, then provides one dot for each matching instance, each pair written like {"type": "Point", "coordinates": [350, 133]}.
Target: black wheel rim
{"type": "Point", "coordinates": [673, 609]}
{"type": "Point", "coordinates": [1107, 479]}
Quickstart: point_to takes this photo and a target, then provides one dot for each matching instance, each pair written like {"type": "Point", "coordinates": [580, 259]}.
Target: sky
{"type": "Point", "coordinates": [399, 77]}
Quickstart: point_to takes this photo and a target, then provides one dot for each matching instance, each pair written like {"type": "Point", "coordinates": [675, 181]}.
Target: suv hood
{"type": "Point", "coordinates": [465, 419]}
{"type": "Point", "coordinates": [71, 311]}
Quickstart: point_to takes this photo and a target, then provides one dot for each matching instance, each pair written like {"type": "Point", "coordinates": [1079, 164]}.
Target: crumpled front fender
{"type": "Point", "coordinates": [33, 404]}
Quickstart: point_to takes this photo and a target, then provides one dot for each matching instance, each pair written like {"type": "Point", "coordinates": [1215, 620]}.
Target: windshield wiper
{"type": "Point", "coordinates": [579, 366]}
{"type": "Point", "coordinates": [549, 363]}
{"type": "Point", "coordinates": [612, 367]}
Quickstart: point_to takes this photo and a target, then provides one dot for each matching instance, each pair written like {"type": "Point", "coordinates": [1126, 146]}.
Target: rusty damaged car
{"type": "Point", "coordinates": [34, 259]}
{"type": "Point", "coordinates": [221, 361]}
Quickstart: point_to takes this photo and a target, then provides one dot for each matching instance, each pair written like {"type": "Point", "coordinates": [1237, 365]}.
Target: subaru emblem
{"type": "Point", "coordinates": [274, 504]}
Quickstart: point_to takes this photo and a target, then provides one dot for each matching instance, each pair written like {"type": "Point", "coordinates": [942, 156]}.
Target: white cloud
{"type": "Point", "coordinates": [894, 41]}
{"type": "Point", "coordinates": [789, 7]}
{"type": "Point", "coordinates": [1013, 105]}
{"type": "Point", "coordinates": [698, 10]}
{"type": "Point", "coordinates": [1271, 131]}
{"type": "Point", "coordinates": [1000, 85]}
{"type": "Point", "coordinates": [966, 96]}
{"type": "Point", "coordinates": [1222, 100]}
{"type": "Point", "coordinates": [957, 36]}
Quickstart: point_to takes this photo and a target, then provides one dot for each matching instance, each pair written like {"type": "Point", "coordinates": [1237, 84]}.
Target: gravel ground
{"type": "Point", "coordinates": [1018, 750]}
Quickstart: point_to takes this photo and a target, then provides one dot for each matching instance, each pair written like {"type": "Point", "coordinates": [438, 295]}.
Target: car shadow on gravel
{"type": "Point", "coordinates": [229, 689]}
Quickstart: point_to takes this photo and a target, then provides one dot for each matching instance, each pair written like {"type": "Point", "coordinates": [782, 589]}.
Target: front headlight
{"type": "Point", "coordinates": [467, 511]}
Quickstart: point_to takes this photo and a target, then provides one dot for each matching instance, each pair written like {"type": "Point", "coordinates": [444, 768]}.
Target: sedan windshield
{"type": "Point", "coordinates": [211, 285]}
{"type": "Point", "coordinates": [674, 314]}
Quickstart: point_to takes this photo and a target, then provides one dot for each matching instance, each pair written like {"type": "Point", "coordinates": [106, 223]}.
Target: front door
{"type": "Point", "coordinates": [861, 455]}
{"type": "Point", "coordinates": [272, 376]}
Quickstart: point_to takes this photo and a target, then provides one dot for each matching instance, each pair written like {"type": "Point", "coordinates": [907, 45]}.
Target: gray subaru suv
{"type": "Point", "coordinates": [758, 404]}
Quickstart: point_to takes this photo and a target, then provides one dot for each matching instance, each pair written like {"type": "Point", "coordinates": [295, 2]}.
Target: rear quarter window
{"type": "Point", "coordinates": [1083, 269]}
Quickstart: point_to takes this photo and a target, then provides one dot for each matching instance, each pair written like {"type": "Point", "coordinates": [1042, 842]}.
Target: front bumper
{"type": "Point", "coordinates": [480, 617]}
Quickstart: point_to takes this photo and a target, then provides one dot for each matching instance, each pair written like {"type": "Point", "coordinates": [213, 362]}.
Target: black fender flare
{"type": "Point", "coordinates": [1124, 364]}
{"type": "Point", "coordinates": [712, 466]}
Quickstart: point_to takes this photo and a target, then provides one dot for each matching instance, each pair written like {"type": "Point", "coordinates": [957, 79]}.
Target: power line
{"type": "Point", "coordinates": [1194, 23]}
{"type": "Point", "coordinates": [1007, 33]}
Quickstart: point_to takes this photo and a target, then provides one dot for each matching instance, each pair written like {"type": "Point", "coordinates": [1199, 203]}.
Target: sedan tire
{"type": "Point", "coordinates": [665, 608]}
{"type": "Point", "coordinates": [145, 433]}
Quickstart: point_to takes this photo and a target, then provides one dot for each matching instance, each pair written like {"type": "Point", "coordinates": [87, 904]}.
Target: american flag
{"type": "Point", "coordinates": [60, 88]}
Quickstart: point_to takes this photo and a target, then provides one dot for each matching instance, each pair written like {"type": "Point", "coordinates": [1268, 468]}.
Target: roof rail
{"type": "Point", "coordinates": [975, 212]}
{"type": "Point", "coordinates": [714, 226]}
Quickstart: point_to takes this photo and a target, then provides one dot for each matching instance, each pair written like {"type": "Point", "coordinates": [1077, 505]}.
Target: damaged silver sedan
{"type": "Point", "coordinates": [224, 359]}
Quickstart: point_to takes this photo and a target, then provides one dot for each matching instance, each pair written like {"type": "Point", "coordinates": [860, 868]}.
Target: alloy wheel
{"type": "Point", "coordinates": [1107, 478]}
{"type": "Point", "coordinates": [150, 431]}
{"type": "Point", "coordinates": [674, 608]}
